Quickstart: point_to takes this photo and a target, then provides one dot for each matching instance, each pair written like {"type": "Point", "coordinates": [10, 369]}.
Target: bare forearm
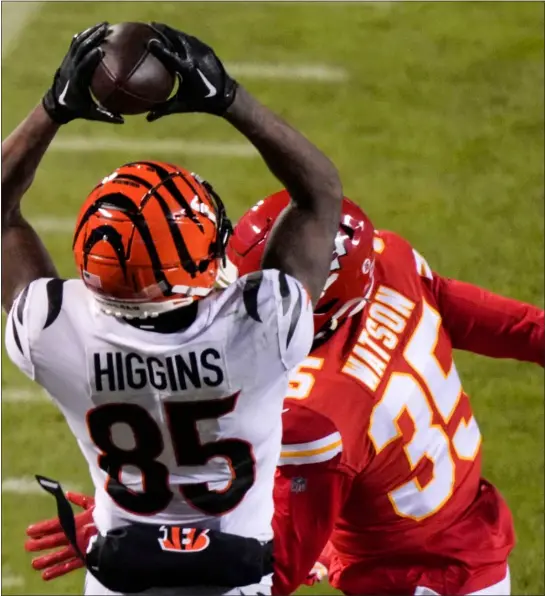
{"type": "Point", "coordinates": [24, 257]}
{"type": "Point", "coordinates": [301, 242]}
{"type": "Point", "coordinates": [308, 175]}
{"type": "Point", "coordinates": [22, 152]}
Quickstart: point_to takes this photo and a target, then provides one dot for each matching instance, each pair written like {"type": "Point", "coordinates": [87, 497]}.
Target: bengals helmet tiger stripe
{"type": "Point", "coordinates": [150, 238]}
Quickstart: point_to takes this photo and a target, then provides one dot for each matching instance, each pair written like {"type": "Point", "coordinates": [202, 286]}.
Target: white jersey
{"type": "Point", "coordinates": [181, 427]}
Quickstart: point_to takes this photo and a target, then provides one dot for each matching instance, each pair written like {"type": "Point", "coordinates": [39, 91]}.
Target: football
{"type": "Point", "coordinates": [128, 79]}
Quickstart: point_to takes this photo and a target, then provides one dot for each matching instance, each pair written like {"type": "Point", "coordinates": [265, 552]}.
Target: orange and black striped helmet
{"type": "Point", "coordinates": [150, 238]}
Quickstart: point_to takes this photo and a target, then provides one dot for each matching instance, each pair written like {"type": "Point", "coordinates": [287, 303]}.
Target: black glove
{"type": "Point", "coordinates": [70, 96]}
{"type": "Point", "coordinates": [204, 86]}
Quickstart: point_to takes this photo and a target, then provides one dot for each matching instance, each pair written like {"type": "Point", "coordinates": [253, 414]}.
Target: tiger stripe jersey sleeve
{"type": "Point", "coordinates": [17, 337]}
{"type": "Point", "coordinates": [32, 311]}
{"type": "Point", "coordinates": [279, 300]}
{"type": "Point", "coordinates": [295, 320]}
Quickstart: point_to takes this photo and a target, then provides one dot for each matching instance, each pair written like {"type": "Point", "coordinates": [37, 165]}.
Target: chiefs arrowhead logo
{"type": "Point", "coordinates": [184, 540]}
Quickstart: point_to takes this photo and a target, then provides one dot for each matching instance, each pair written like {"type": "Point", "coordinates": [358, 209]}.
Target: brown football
{"type": "Point", "coordinates": [128, 79]}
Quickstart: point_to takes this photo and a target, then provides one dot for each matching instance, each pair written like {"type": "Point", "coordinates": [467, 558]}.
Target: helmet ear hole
{"type": "Point", "coordinates": [347, 230]}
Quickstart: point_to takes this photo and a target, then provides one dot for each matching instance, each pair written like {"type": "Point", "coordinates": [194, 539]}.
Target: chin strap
{"type": "Point", "coordinates": [227, 274]}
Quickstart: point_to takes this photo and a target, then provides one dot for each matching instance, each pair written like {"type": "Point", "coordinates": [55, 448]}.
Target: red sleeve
{"type": "Point", "coordinates": [325, 557]}
{"type": "Point", "coordinates": [310, 488]}
{"type": "Point", "coordinates": [484, 323]}
{"type": "Point", "coordinates": [306, 506]}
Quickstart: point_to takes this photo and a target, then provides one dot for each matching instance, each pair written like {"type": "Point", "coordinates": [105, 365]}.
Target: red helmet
{"type": "Point", "coordinates": [351, 274]}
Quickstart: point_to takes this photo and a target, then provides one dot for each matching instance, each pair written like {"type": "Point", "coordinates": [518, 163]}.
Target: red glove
{"type": "Point", "coordinates": [48, 534]}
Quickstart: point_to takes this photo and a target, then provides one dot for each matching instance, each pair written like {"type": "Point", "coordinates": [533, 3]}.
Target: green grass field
{"type": "Point", "coordinates": [436, 126]}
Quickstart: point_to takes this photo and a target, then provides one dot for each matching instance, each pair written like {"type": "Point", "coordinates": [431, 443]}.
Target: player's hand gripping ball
{"type": "Point", "coordinates": [130, 79]}
{"type": "Point", "coordinates": [69, 97]}
{"type": "Point", "coordinates": [203, 83]}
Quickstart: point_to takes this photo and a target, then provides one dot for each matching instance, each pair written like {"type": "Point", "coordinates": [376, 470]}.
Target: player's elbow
{"type": "Point", "coordinates": [322, 194]}
{"type": "Point", "coordinates": [13, 188]}
{"type": "Point", "coordinates": [333, 192]}
{"type": "Point", "coordinates": [12, 216]}
{"type": "Point", "coordinates": [335, 186]}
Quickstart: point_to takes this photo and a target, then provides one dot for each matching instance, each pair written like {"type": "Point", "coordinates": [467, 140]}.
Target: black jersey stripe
{"type": "Point", "coordinates": [21, 304]}
{"type": "Point", "coordinates": [249, 294]}
{"type": "Point", "coordinates": [284, 292]}
{"type": "Point", "coordinates": [54, 288]}
{"type": "Point", "coordinates": [295, 316]}
{"type": "Point", "coordinates": [16, 336]}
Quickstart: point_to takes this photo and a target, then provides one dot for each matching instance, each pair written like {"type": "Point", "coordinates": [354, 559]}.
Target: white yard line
{"type": "Point", "coordinates": [288, 72]}
{"type": "Point", "coordinates": [54, 225]}
{"type": "Point", "coordinates": [313, 72]}
{"type": "Point", "coordinates": [23, 395]}
{"type": "Point", "coordinates": [15, 17]}
{"type": "Point", "coordinates": [141, 145]}
{"type": "Point", "coordinates": [10, 580]}
{"type": "Point", "coordinates": [27, 485]}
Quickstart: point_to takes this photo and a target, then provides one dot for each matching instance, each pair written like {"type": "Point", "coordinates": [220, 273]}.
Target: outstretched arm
{"type": "Point", "coordinates": [482, 322]}
{"type": "Point", "coordinates": [485, 323]}
{"type": "Point", "coordinates": [24, 257]}
{"type": "Point", "coordinates": [301, 243]}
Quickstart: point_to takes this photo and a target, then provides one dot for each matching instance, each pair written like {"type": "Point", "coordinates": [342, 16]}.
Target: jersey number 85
{"type": "Point", "coordinates": [188, 449]}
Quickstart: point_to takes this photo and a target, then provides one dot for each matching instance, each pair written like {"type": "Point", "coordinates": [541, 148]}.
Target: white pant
{"type": "Point", "coordinates": [94, 588]}
{"type": "Point", "coordinates": [502, 588]}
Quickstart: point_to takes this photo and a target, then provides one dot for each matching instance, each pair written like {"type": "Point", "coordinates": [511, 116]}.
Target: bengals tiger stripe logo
{"type": "Point", "coordinates": [133, 237]}
{"type": "Point", "coordinates": [184, 540]}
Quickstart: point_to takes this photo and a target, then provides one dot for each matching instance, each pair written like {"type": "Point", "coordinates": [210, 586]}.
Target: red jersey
{"type": "Point", "coordinates": [381, 452]}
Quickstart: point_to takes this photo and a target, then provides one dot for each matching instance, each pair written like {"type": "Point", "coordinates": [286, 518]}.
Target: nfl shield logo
{"type": "Point", "coordinates": [298, 485]}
